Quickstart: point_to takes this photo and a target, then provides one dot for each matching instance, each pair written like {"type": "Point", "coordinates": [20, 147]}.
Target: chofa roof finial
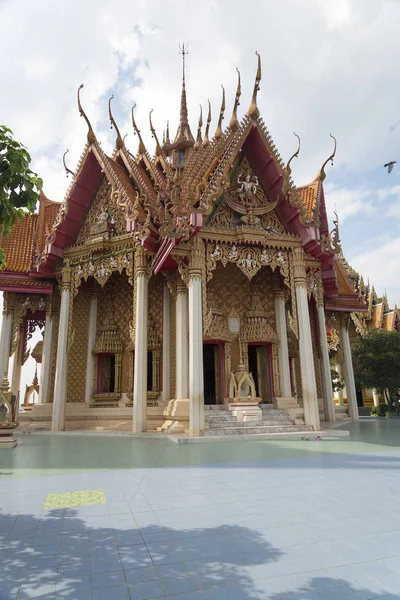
{"type": "Point", "coordinates": [206, 140]}
{"type": "Point", "coordinates": [142, 148]}
{"type": "Point", "coordinates": [253, 111]}
{"type": "Point", "coordinates": [322, 173]}
{"type": "Point", "coordinates": [119, 141]}
{"type": "Point", "coordinates": [234, 123]}
{"type": "Point", "coordinates": [153, 133]}
{"type": "Point", "coordinates": [218, 131]}
{"type": "Point", "coordinates": [91, 138]}
{"type": "Point", "coordinates": [68, 171]}
{"type": "Point", "coordinates": [295, 155]}
{"type": "Point", "coordinates": [199, 140]}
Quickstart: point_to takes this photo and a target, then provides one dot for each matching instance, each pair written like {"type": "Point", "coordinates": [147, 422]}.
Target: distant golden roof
{"type": "Point", "coordinates": [344, 284]}
{"type": "Point", "coordinates": [18, 246]}
{"type": "Point", "coordinates": [309, 195]}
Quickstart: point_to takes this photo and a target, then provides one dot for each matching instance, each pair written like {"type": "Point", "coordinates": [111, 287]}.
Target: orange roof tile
{"type": "Point", "coordinates": [309, 195]}
{"type": "Point", "coordinates": [19, 245]}
{"type": "Point", "coordinates": [345, 286]}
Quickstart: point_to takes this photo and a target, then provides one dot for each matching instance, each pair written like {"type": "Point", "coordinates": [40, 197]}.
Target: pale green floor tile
{"type": "Point", "coordinates": [38, 454]}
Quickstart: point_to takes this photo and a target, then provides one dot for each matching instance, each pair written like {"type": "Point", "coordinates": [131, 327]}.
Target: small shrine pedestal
{"type": "Point", "coordinates": [243, 401]}
{"type": "Point", "coordinates": [8, 415]}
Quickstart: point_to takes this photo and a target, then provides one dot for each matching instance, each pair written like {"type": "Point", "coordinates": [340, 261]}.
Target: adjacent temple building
{"type": "Point", "coordinates": [163, 285]}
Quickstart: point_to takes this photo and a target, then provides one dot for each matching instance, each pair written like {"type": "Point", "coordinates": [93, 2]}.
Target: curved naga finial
{"type": "Point", "coordinates": [295, 155]}
{"type": "Point", "coordinates": [234, 123]}
{"type": "Point", "coordinates": [142, 148]}
{"type": "Point", "coordinates": [119, 141]}
{"type": "Point", "coordinates": [253, 111]}
{"type": "Point", "coordinates": [218, 131]}
{"type": "Point", "coordinates": [206, 141]}
{"type": "Point", "coordinates": [91, 138]}
{"type": "Point", "coordinates": [153, 133]}
{"type": "Point", "coordinates": [198, 141]}
{"type": "Point", "coordinates": [322, 173]}
{"type": "Point", "coordinates": [68, 171]}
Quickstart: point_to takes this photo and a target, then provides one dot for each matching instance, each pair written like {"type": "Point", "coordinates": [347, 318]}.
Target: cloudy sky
{"type": "Point", "coordinates": [327, 67]}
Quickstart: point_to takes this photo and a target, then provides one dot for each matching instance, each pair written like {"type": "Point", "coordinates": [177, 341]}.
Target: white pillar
{"type": "Point", "coordinates": [91, 342]}
{"type": "Point", "coordinates": [196, 375]}
{"type": "Point", "coordinates": [283, 351]}
{"type": "Point", "coordinates": [329, 404]}
{"type": "Point", "coordinates": [17, 366]}
{"type": "Point", "coordinates": [348, 373]}
{"type": "Point", "coordinates": [375, 397]}
{"type": "Point", "coordinates": [182, 342]}
{"type": "Point", "coordinates": [166, 370]}
{"type": "Point", "coordinates": [294, 380]}
{"type": "Point", "coordinates": [5, 340]}
{"type": "Point", "coordinates": [140, 366]}
{"type": "Point", "coordinates": [308, 383]}
{"type": "Point", "coordinates": [47, 361]}
{"type": "Point", "coordinates": [60, 384]}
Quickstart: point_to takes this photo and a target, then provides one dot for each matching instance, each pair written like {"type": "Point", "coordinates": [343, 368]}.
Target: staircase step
{"type": "Point", "coordinates": [254, 429]}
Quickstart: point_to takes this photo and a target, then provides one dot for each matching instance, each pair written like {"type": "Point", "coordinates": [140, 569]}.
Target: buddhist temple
{"type": "Point", "coordinates": [171, 284]}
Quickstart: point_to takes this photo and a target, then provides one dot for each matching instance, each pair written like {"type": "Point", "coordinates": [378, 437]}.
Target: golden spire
{"type": "Point", "coordinates": [321, 175]}
{"type": "Point", "coordinates": [153, 133]}
{"type": "Point", "coordinates": [68, 171]}
{"type": "Point", "coordinates": [91, 138]}
{"type": "Point", "coordinates": [206, 141]}
{"type": "Point", "coordinates": [218, 131]}
{"type": "Point", "coordinates": [142, 148]}
{"type": "Point", "coordinates": [119, 141]}
{"type": "Point", "coordinates": [295, 155]}
{"type": "Point", "coordinates": [253, 111]}
{"type": "Point", "coordinates": [183, 132]}
{"type": "Point", "coordinates": [234, 123]}
{"type": "Point", "coordinates": [199, 140]}
{"type": "Point", "coordinates": [167, 140]}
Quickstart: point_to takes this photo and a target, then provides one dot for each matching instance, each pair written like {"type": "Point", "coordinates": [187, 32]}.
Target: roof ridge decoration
{"type": "Point", "coordinates": [234, 123]}
{"type": "Point", "coordinates": [253, 110]}
{"type": "Point", "coordinates": [206, 140]}
{"type": "Point", "coordinates": [321, 174]}
{"type": "Point", "coordinates": [218, 131]}
{"type": "Point", "coordinates": [119, 142]}
{"type": "Point", "coordinates": [67, 170]}
{"type": "Point", "coordinates": [330, 244]}
{"type": "Point", "coordinates": [91, 138]}
{"type": "Point", "coordinates": [295, 155]}
{"type": "Point", "coordinates": [142, 147]}
{"type": "Point", "coordinates": [199, 140]}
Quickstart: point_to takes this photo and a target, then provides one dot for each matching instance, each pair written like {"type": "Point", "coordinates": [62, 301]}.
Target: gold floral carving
{"type": "Point", "coordinates": [275, 368]}
{"type": "Point", "coordinates": [101, 268]}
{"type": "Point", "coordinates": [77, 358]}
{"type": "Point", "coordinates": [19, 304]}
{"type": "Point", "coordinates": [314, 285]}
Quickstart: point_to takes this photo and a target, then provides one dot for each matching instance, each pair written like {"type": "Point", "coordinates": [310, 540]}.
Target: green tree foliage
{"type": "Point", "coordinates": [19, 186]}
{"type": "Point", "coordinates": [376, 361]}
{"type": "Point", "coordinates": [337, 381]}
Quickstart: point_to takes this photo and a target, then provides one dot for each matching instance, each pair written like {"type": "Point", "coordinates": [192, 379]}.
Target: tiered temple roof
{"type": "Point", "coordinates": [167, 197]}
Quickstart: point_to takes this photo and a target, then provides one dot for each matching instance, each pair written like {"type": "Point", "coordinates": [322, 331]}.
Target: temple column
{"type": "Point", "coordinates": [283, 351]}
{"type": "Point", "coordinates": [329, 404]}
{"type": "Point", "coordinates": [348, 371]}
{"type": "Point", "coordinates": [196, 375]}
{"type": "Point", "coordinates": [60, 383]}
{"type": "Point", "coordinates": [5, 336]}
{"type": "Point", "coordinates": [308, 383]}
{"type": "Point", "coordinates": [182, 341]}
{"type": "Point", "coordinates": [375, 397]}
{"type": "Point", "coordinates": [166, 341]}
{"type": "Point", "coordinates": [91, 343]}
{"type": "Point", "coordinates": [141, 334]}
{"type": "Point", "coordinates": [47, 360]}
{"type": "Point", "coordinates": [17, 365]}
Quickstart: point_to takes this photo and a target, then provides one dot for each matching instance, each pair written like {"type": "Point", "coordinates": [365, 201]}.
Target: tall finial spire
{"type": "Point", "coordinates": [119, 141]}
{"type": "Point", "coordinates": [253, 111]}
{"type": "Point", "coordinates": [218, 131]}
{"type": "Point", "coordinates": [199, 140]}
{"type": "Point", "coordinates": [68, 171]}
{"type": "Point", "coordinates": [322, 173]}
{"type": "Point", "coordinates": [142, 148]}
{"type": "Point", "coordinates": [183, 133]}
{"type": "Point", "coordinates": [206, 141]}
{"type": "Point", "coordinates": [234, 123]}
{"type": "Point", "coordinates": [91, 138]}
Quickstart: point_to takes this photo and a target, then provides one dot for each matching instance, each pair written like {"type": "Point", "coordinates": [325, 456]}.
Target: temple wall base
{"type": "Point", "coordinates": [176, 416]}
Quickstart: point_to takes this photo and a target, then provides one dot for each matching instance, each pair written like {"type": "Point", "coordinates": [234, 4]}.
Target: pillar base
{"type": "Point", "coordinates": [291, 408]}
{"type": "Point", "coordinates": [177, 416]}
{"type": "Point", "coordinates": [6, 438]}
{"type": "Point", "coordinates": [246, 412]}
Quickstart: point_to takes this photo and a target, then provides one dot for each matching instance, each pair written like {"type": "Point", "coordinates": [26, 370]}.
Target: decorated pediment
{"type": "Point", "coordinates": [245, 205]}
{"type": "Point", "coordinates": [104, 218]}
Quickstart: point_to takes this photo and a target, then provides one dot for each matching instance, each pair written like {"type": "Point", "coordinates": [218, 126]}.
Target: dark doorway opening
{"type": "Point", "coordinates": [209, 373]}
{"type": "Point", "coordinates": [253, 366]}
{"type": "Point", "coordinates": [360, 400]}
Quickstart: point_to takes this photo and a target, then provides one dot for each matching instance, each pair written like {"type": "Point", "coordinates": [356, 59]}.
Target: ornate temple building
{"type": "Point", "coordinates": [200, 276]}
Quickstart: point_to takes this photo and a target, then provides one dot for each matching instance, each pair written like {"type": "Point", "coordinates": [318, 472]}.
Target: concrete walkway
{"type": "Point", "coordinates": [109, 518]}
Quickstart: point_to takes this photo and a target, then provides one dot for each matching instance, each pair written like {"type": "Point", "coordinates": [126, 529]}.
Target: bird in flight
{"type": "Point", "coordinates": [390, 165]}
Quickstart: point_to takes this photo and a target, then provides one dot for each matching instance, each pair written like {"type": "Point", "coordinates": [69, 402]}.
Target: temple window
{"type": "Point", "coordinates": [181, 158]}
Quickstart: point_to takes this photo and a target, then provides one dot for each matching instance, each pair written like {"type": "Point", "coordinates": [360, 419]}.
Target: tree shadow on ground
{"type": "Point", "coordinates": [68, 553]}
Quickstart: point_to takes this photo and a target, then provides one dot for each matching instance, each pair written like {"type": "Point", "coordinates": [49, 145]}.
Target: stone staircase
{"type": "Point", "coordinates": [220, 421]}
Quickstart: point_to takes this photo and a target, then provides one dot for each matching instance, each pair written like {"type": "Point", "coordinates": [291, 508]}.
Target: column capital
{"type": "Point", "coordinates": [8, 303]}
{"type": "Point", "coordinates": [180, 286]}
{"type": "Point", "coordinates": [197, 259]}
{"type": "Point", "coordinates": [141, 265]}
{"type": "Point", "coordinates": [66, 273]}
{"type": "Point", "coordinates": [299, 267]}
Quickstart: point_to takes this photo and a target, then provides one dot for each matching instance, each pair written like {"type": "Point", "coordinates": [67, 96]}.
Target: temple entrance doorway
{"type": "Point", "coordinates": [212, 369]}
{"type": "Point", "coordinates": [260, 367]}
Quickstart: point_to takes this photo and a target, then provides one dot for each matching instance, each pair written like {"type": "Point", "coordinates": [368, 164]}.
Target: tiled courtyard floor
{"type": "Point", "coordinates": [305, 520]}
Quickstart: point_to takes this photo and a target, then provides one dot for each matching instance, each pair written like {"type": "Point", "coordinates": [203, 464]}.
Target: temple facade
{"type": "Point", "coordinates": [198, 277]}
